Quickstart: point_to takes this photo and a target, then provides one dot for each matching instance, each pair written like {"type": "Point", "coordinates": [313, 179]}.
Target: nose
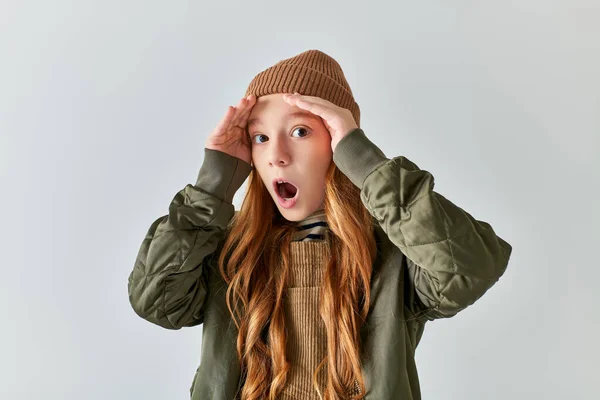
{"type": "Point", "coordinates": [279, 154]}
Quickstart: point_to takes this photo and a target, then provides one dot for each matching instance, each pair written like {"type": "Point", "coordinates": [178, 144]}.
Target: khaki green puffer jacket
{"type": "Point", "coordinates": [434, 260]}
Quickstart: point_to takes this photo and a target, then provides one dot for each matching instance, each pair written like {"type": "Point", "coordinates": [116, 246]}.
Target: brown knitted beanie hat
{"type": "Point", "coordinates": [310, 73]}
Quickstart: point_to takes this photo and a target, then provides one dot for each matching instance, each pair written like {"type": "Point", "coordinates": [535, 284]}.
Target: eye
{"type": "Point", "coordinates": [301, 128]}
{"type": "Point", "coordinates": [259, 135]}
{"type": "Point", "coordinates": [307, 132]}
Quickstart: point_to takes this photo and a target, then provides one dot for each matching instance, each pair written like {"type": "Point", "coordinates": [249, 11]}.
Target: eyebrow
{"type": "Point", "coordinates": [295, 114]}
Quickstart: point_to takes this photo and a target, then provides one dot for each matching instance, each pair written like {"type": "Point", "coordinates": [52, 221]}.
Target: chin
{"type": "Point", "coordinates": [298, 211]}
{"type": "Point", "coordinates": [294, 215]}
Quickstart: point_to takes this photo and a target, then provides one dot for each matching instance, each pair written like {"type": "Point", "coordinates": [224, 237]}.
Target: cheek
{"type": "Point", "coordinates": [256, 164]}
{"type": "Point", "coordinates": [325, 155]}
{"type": "Point", "coordinates": [318, 165]}
{"type": "Point", "coordinates": [255, 158]}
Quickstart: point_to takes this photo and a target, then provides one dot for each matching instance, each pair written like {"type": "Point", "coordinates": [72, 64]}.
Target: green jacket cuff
{"type": "Point", "coordinates": [222, 174]}
{"type": "Point", "coordinates": [357, 156]}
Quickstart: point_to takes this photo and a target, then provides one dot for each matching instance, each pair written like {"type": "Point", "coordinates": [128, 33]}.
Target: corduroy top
{"type": "Point", "coordinates": [306, 342]}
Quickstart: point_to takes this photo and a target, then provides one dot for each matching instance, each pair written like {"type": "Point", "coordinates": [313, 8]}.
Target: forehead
{"type": "Point", "coordinates": [273, 108]}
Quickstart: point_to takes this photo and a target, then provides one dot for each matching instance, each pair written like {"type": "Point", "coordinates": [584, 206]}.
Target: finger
{"type": "Point", "coordinates": [323, 111]}
{"type": "Point", "coordinates": [246, 113]}
{"type": "Point", "coordinates": [225, 121]}
{"type": "Point", "coordinates": [315, 99]}
{"type": "Point", "coordinates": [249, 102]}
{"type": "Point", "coordinates": [305, 102]}
{"type": "Point", "coordinates": [238, 112]}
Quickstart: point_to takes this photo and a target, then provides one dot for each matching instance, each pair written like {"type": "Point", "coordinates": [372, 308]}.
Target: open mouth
{"type": "Point", "coordinates": [285, 189]}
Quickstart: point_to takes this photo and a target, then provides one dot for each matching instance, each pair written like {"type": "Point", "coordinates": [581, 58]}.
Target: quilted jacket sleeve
{"type": "Point", "coordinates": [168, 284]}
{"type": "Point", "coordinates": [452, 258]}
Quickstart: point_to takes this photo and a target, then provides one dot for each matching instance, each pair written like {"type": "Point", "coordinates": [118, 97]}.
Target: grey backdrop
{"type": "Point", "coordinates": [104, 110]}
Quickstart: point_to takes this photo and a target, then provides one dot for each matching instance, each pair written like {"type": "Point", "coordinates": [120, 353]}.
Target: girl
{"type": "Point", "coordinates": [319, 287]}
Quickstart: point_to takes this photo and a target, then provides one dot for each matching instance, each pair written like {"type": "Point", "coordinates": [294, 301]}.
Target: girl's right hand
{"type": "Point", "coordinates": [230, 135]}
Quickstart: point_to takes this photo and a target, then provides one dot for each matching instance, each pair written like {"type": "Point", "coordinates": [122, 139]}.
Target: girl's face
{"type": "Point", "coordinates": [291, 144]}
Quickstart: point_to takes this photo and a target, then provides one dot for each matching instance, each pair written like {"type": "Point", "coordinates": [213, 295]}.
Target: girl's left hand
{"type": "Point", "coordinates": [338, 121]}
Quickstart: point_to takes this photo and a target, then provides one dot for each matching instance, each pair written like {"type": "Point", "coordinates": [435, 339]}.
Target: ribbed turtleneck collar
{"type": "Point", "coordinates": [312, 227]}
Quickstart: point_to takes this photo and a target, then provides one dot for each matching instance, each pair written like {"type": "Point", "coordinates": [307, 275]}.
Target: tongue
{"type": "Point", "coordinates": [287, 190]}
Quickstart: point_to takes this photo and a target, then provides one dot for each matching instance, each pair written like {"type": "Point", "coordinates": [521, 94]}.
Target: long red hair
{"type": "Point", "coordinates": [254, 263]}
